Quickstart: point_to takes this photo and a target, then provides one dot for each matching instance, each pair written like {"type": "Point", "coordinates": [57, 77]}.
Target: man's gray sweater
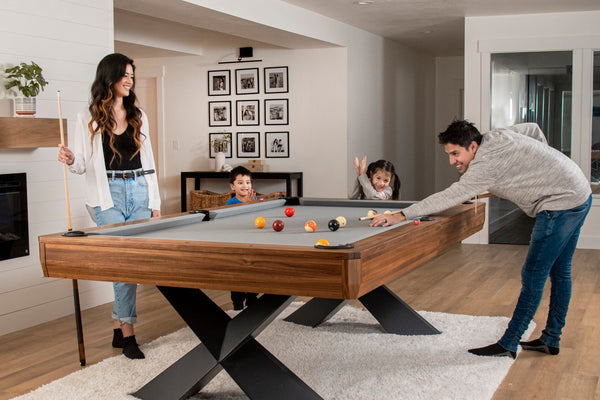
{"type": "Point", "coordinates": [517, 164]}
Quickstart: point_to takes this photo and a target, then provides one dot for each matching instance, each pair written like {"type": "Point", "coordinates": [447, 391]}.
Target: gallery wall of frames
{"type": "Point", "coordinates": [238, 122]}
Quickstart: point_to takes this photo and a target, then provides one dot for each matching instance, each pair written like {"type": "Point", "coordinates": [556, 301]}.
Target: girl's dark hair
{"type": "Point", "coordinates": [110, 71]}
{"type": "Point", "coordinates": [461, 133]}
{"type": "Point", "coordinates": [387, 167]}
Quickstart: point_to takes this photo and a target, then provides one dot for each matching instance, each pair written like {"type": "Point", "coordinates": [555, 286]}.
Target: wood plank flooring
{"type": "Point", "coordinates": [468, 279]}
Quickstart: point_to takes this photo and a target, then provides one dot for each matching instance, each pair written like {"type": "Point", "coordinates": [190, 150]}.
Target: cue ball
{"type": "Point", "coordinates": [371, 213]}
{"type": "Point", "coordinates": [333, 225]}
{"type": "Point", "coordinates": [387, 212]}
{"type": "Point", "coordinates": [278, 225]}
{"type": "Point", "coordinates": [289, 211]}
{"type": "Point", "coordinates": [322, 242]}
{"type": "Point", "coordinates": [310, 226]}
{"type": "Point", "coordinates": [260, 222]}
{"type": "Point", "coordinates": [417, 222]}
{"type": "Point", "coordinates": [342, 221]}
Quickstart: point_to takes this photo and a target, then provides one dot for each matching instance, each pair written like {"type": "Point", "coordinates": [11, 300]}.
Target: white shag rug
{"type": "Point", "coordinates": [349, 357]}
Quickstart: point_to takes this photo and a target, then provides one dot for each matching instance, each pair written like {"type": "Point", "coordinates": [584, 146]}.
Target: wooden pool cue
{"type": "Point", "coordinates": [70, 232]}
{"type": "Point", "coordinates": [390, 213]}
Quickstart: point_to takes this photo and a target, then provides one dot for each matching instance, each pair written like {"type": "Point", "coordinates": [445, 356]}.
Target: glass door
{"type": "Point", "coordinates": [528, 87]}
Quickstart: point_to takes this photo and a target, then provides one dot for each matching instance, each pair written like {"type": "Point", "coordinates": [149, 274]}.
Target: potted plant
{"type": "Point", "coordinates": [29, 81]}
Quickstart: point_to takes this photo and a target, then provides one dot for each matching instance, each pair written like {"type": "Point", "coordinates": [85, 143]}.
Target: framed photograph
{"type": "Point", "coordinates": [277, 144]}
{"type": "Point", "coordinates": [219, 83]}
{"type": "Point", "coordinates": [246, 81]}
{"type": "Point", "coordinates": [219, 113]}
{"type": "Point", "coordinates": [248, 145]}
{"type": "Point", "coordinates": [276, 112]}
{"type": "Point", "coordinates": [276, 80]}
{"type": "Point", "coordinates": [247, 112]}
{"type": "Point", "coordinates": [219, 142]}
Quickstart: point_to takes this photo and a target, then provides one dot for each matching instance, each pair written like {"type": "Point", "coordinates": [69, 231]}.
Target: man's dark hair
{"type": "Point", "coordinates": [239, 170]}
{"type": "Point", "coordinates": [461, 133]}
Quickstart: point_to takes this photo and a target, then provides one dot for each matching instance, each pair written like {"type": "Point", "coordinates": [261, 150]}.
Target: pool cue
{"type": "Point", "coordinates": [390, 213]}
{"type": "Point", "coordinates": [70, 232]}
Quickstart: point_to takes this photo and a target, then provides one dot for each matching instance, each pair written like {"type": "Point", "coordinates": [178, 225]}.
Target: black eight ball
{"type": "Point", "coordinates": [333, 225]}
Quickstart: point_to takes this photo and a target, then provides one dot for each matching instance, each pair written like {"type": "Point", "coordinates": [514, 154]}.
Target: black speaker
{"type": "Point", "coordinates": [245, 52]}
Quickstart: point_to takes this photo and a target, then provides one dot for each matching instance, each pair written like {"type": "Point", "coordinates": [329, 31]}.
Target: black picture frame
{"type": "Point", "coordinates": [276, 79]}
{"type": "Point", "coordinates": [276, 112]}
{"type": "Point", "coordinates": [247, 112]}
{"type": "Point", "coordinates": [248, 144]}
{"type": "Point", "coordinates": [219, 113]}
{"type": "Point", "coordinates": [246, 81]}
{"type": "Point", "coordinates": [277, 144]}
{"type": "Point", "coordinates": [219, 135]}
{"type": "Point", "coordinates": [219, 83]}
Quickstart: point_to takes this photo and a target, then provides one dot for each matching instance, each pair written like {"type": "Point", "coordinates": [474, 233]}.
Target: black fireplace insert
{"type": "Point", "coordinates": [14, 228]}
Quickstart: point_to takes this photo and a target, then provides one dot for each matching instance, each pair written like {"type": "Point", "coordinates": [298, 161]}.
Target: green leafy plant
{"type": "Point", "coordinates": [221, 144]}
{"type": "Point", "coordinates": [27, 78]}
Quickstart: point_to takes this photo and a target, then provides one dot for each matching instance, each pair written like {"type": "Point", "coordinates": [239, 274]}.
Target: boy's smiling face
{"type": "Point", "coordinates": [242, 185]}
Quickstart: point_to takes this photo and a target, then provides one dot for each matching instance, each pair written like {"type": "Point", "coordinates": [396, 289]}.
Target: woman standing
{"type": "Point", "coordinates": [112, 148]}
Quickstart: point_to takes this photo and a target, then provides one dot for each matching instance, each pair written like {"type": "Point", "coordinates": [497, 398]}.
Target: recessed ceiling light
{"type": "Point", "coordinates": [364, 2]}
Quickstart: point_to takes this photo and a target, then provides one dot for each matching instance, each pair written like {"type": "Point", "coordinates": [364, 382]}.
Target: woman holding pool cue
{"type": "Point", "coordinates": [112, 148]}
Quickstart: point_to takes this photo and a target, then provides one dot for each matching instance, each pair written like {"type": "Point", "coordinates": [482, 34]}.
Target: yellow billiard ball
{"type": "Point", "coordinates": [260, 222]}
{"type": "Point", "coordinates": [322, 242]}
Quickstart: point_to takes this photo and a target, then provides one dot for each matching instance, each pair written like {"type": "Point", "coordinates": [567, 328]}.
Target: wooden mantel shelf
{"type": "Point", "coordinates": [24, 132]}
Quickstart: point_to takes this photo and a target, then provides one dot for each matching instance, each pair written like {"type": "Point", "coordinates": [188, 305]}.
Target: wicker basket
{"type": "Point", "coordinates": [203, 199]}
{"type": "Point", "coordinates": [271, 196]}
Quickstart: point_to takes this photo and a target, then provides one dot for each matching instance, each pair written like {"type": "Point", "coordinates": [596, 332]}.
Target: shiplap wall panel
{"type": "Point", "coordinates": [67, 39]}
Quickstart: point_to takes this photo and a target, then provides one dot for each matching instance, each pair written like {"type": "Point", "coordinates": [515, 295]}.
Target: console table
{"type": "Point", "coordinates": [197, 175]}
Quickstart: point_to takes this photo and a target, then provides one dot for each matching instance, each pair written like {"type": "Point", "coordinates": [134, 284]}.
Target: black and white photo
{"type": "Point", "coordinates": [248, 145]}
{"type": "Point", "coordinates": [247, 112]}
{"type": "Point", "coordinates": [277, 144]}
{"type": "Point", "coordinates": [246, 81]}
{"type": "Point", "coordinates": [276, 112]}
{"type": "Point", "coordinates": [276, 80]}
{"type": "Point", "coordinates": [219, 83]}
{"type": "Point", "coordinates": [219, 113]}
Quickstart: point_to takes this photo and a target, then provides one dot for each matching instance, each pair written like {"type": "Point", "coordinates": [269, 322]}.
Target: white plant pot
{"type": "Point", "coordinates": [219, 161]}
{"type": "Point", "coordinates": [25, 106]}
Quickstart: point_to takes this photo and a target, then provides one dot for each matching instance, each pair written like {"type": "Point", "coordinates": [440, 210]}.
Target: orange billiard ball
{"type": "Point", "coordinates": [260, 222]}
{"type": "Point", "coordinates": [310, 226]}
{"type": "Point", "coordinates": [417, 222]}
{"type": "Point", "coordinates": [322, 242]}
{"type": "Point", "coordinates": [278, 225]}
{"type": "Point", "coordinates": [289, 211]}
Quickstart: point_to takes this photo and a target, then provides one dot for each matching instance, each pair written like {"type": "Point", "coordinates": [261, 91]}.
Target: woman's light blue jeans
{"type": "Point", "coordinates": [553, 242]}
{"type": "Point", "coordinates": [130, 199]}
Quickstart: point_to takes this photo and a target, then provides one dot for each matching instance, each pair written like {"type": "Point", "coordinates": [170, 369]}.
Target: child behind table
{"type": "Point", "coordinates": [240, 181]}
{"type": "Point", "coordinates": [377, 182]}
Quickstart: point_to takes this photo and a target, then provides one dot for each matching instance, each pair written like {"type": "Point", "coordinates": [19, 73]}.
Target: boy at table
{"type": "Point", "coordinates": [240, 181]}
{"type": "Point", "coordinates": [517, 164]}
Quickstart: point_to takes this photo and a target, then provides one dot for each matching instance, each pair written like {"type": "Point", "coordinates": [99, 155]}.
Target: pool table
{"type": "Point", "coordinates": [222, 249]}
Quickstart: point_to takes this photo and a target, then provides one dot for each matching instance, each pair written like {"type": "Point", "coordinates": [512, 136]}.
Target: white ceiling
{"type": "Point", "coordinates": [434, 26]}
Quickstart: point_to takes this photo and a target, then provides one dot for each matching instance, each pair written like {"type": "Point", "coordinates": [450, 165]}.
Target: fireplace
{"type": "Point", "coordinates": [14, 230]}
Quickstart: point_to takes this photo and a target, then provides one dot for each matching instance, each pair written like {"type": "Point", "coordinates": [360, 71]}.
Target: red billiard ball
{"type": "Point", "coordinates": [417, 222]}
{"type": "Point", "coordinates": [289, 211]}
{"type": "Point", "coordinates": [278, 225]}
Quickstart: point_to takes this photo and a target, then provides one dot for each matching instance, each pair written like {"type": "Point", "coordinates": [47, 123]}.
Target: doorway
{"type": "Point", "coordinates": [528, 87]}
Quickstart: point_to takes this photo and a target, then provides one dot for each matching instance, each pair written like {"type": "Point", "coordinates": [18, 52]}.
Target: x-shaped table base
{"type": "Point", "coordinates": [230, 344]}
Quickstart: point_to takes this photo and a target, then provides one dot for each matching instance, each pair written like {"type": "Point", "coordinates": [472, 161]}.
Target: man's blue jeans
{"type": "Point", "coordinates": [130, 199]}
{"type": "Point", "coordinates": [553, 242]}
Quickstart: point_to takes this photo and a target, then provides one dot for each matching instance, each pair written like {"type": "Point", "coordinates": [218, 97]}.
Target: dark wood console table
{"type": "Point", "coordinates": [197, 175]}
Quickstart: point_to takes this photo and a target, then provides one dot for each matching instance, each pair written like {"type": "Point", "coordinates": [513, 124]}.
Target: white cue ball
{"type": "Point", "coordinates": [371, 213]}
{"type": "Point", "coordinates": [387, 212]}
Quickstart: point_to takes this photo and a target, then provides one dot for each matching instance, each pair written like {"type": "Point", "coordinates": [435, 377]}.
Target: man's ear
{"type": "Point", "coordinates": [473, 146]}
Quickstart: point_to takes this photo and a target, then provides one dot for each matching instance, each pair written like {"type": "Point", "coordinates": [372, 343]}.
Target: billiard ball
{"type": "Point", "coordinates": [278, 225]}
{"type": "Point", "coordinates": [333, 225]}
{"type": "Point", "coordinates": [417, 222]}
{"type": "Point", "coordinates": [342, 221]}
{"type": "Point", "coordinates": [322, 242]}
{"type": "Point", "coordinates": [387, 212]}
{"type": "Point", "coordinates": [260, 222]}
{"type": "Point", "coordinates": [289, 211]}
{"type": "Point", "coordinates": [371, 213]}
{"type": "Point", "coordinates": [310, 226]}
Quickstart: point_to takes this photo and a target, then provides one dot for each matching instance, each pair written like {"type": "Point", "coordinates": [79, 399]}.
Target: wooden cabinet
{"type": "Point", "coordinates": [19, 132]}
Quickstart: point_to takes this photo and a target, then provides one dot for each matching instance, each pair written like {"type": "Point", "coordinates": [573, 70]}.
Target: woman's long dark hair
{"type": "Point", "coordinates": [110, 71]}
{"type": "Point", "coordinates": [387, 167]}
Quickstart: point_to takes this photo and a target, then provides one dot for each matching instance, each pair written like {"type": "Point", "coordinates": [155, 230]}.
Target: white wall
{"type": "Point", "coordinates": [577, 32]}
{"type": "Point", "coordinates": [67, 39]}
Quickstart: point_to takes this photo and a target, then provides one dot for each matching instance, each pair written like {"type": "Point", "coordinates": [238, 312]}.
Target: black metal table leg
{"type": "Point", "coordinates": [226, 343]}
{"type": "Point", "coordinates": [394, 315]}
{"type": "Point", "coordinates": [316, 311]}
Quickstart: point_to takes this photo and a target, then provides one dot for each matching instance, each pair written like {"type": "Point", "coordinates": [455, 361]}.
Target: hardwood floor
{"type": "Point", "coordinates": [468, 279]}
